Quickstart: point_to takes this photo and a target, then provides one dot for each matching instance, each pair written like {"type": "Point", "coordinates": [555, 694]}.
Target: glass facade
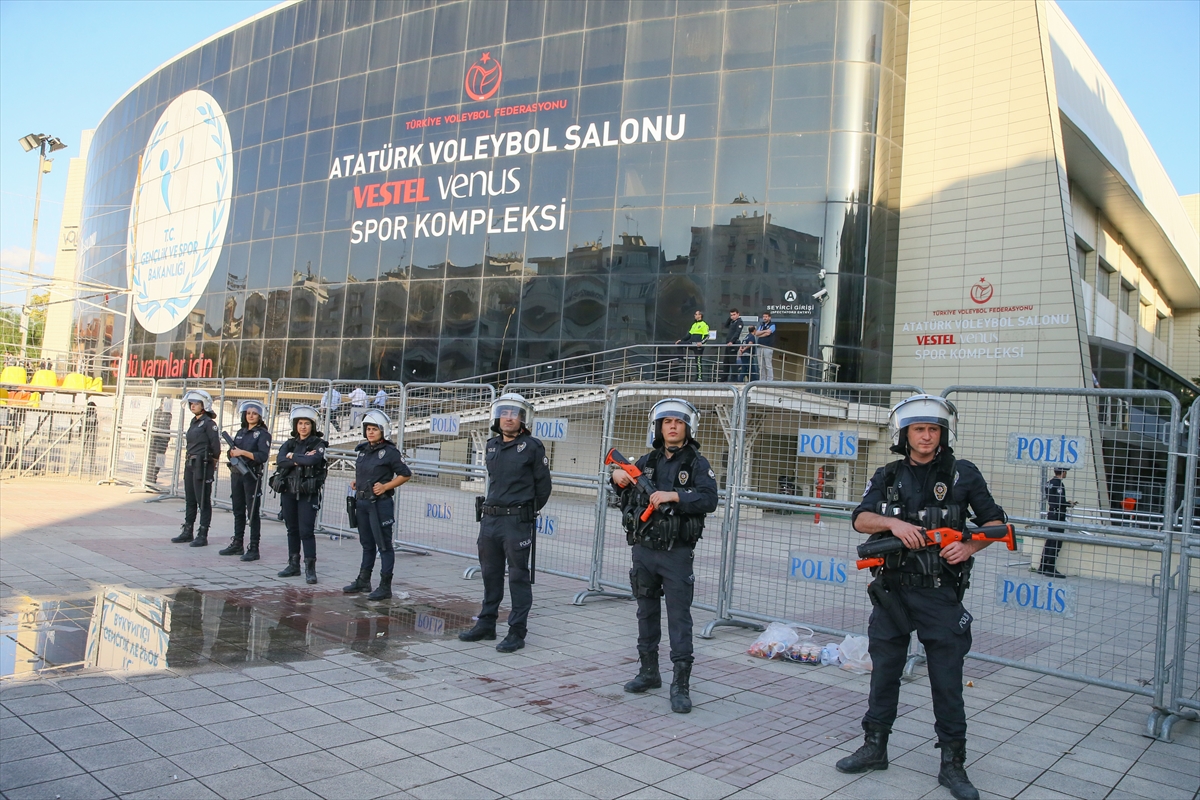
{"type": "Point", "coordinates": [430, 191]}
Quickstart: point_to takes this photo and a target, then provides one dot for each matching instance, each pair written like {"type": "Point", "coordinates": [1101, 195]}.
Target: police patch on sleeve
{"type": "Point", "coordinates": [546, 460]}
{"type": "Point", "coordinates": [939, 491]}
{"type": "Point", "coordinates": [867, 490]}
{"type": "Point", "coordinates": [712, 474]}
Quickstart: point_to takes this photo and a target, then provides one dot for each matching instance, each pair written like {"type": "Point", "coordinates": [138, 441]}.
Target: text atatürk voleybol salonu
{"type": "Point", "coordinates": [479, 183]}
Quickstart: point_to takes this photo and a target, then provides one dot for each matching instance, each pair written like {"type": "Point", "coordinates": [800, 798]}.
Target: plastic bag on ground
{"type": "Point", "coordinates": [774, 641]}
{"type": "Point", "coordinates": [853, 654]}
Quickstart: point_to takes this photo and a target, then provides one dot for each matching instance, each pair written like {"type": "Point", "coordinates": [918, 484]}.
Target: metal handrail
{"type": "Point", "coordinates": [654, 362]}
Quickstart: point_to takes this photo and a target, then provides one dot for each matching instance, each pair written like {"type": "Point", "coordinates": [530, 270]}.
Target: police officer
{"type": "Point", "coordinates": [922, 588]}
{"type": "Point", "coordinates": [685, 490]}
{"type": "Point", "coordinates": [252, 444]}
{"type": "Point", "coordinates": [299, 476]}
{"type": "Point", "coordinates": [203, 453]}
{"type": "Point", "coordinates": [1056, 511]}
{"type": "Point", "coordinates": [378, 470]}
{"type": "Point", "coordinates": [518, 487]}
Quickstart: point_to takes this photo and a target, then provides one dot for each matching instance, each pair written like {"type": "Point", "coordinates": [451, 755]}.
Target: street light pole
{"type": "Point", "coordinates": [41, 141]}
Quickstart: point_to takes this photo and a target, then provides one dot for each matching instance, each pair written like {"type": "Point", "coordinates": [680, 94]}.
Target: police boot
{"type": "Point", "coordinates": [872, 755]}
{"type": "Point", "coordinates": [293, 567]}
{"type": "Point", "coordinates": [201, 538]}
{"type": "Point", "coordinates": [681, 698]}
{"type": "Point", "coordinates": [384, 592]}
{"type": "Point", "coordinates": [648, 676]}
{"type": "Point", "coordinates": [953, 775]}
{"type": "Point", "coordinates": [512, 642]}
{"type": "Point", "coordinates": [481, 631]}
{"type": "Point", "coordinates": [310, 570]}
{"type": "Point", "coordinates": [361, 584]}
{"type": "Point", "coordinates": [185, 534]}
{"type": "Point", "coordinates": [252, 550]}
{"type": "Point", "coordinates": [234, 549]}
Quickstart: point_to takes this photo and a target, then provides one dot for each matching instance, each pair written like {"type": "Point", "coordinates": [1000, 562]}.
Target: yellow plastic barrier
{"type": "Point", "coordinates": [15, 375]}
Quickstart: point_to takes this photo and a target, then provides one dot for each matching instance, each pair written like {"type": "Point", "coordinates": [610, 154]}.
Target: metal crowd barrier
{"type": "Point", "coordinates": [791, 461]}
{"type": "Point", "coordinates": [1182, 700]}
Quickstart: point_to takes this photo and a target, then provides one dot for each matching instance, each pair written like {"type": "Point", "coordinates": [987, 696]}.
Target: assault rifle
{"type": "Point", "coordinates": [237, 462]}
{"type": "Point", "coordinates": [614, 458]}
{"type": "Point", "coordinates": [871, 554]}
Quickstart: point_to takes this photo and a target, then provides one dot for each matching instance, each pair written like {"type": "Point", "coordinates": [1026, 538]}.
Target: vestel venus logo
{"type": "Point", "coordinates": [483, 78]}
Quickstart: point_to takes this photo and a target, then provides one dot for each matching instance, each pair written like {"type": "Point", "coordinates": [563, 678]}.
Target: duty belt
{"type": "Point", "coordinates": [893, 578]}
{"type": "Point", "coordinates": [502, 511]}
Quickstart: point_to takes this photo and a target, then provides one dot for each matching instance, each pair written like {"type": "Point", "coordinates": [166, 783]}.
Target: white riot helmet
{"type": "Point", "coordinates": [672, 408]}
{"type": "Point", "coordinates": [922, 408]}
{"type": "Point", "coordinates": [379, 420]}
{"type": "Point", "coordinates": [512, 402]}
{"type": "Point", "coordinates": [198, 396]}
{"type": "Point", "coordinates": [304, 412]}
{"type": "Point", "coordinates": [252, 405]}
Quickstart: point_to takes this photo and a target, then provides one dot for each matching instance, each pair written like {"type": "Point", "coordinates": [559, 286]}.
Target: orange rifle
{"type": "Point", "coordinates": [871, 554]}
{"type": "Point", "coordinates": [614, 458]}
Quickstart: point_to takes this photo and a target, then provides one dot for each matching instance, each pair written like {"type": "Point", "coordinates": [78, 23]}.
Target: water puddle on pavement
{"type": "Point", "coordinates": [125, 629]}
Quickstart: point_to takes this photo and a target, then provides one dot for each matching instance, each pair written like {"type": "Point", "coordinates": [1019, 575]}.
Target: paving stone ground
{"type": "Point", "coordinates": [277, 689]}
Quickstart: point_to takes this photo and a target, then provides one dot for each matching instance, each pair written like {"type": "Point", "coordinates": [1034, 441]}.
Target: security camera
{"type": "Point", "coordinates": [821, 295]}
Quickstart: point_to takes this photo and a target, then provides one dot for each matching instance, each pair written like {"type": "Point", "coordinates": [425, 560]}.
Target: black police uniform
{"type": "Point", "coordinates": [1056, 511]}
{"type": "Point", "coordinates": [518, 486]}
{"type": "Point", "coordinates": [924, 591]}
{"type": "Point", "coordinates": [302, 475]}
{"type": "Point", "coordinates": [203, 454]}
{"type": "Point", "coordinates": [662, 562]}
{"type": "Point", "coordinates": [377, 463]}
{"type": "Point", "coordinates": [245, 491]}
{"type": "Point", "coordinates": [733, 342]}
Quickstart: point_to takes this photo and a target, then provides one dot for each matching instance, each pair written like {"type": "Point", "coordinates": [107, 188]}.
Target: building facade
{"type": "Point", "coordinates": [919, 191]}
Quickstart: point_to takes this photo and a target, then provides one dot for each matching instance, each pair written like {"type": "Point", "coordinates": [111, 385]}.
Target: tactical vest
{"type": "Point", "coordinates": [666, 527]}
{"type": "Point", "coordinates": [939, 513]}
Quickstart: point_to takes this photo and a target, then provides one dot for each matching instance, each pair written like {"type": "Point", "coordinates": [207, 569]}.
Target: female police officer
{"type": "Point", "coordinates": [518, 487]}
{"type": "Point", "coordinates": [685, 490]}
{"type": "Point", "coordinates": [251, 444]}
{"type": "Point", "coordinates": [922, 589]}
{"type": "Point", "coordinates": [299, 477]}
{"type": "Point", "coordinates": [378, 470]}
{"type": "Point", "coordinates": [203, 452]}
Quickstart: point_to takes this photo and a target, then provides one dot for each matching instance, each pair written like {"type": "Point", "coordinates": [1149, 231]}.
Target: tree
{"type": "Point", "coordinates": [10, 326]}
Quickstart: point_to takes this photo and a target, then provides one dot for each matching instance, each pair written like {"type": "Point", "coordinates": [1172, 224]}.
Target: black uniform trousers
{"type": "Point", "coordinates": [300, 518]}
{"type": "Point", "coordinates": [1052, 546]}
{"type": "Point", "coordinates": [245, 492]}
{"type": "Point", "coordinates": [672, 570]}
{"type": "Point", "coordinates": [376, 520]}
{"type": "Point", "coordinates": [937, 616]}
{"type": "Point", "coordinates": [197, 493]}
{"type": "Point", "coordinates": [501, 540]}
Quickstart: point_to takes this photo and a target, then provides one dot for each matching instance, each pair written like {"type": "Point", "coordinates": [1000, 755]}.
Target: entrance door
{"type": "Point", "coordinates": [792, 339]}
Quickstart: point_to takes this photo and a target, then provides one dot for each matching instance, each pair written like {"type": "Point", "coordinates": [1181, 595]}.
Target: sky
{"type": "Point", "coordinates": [88, 53]}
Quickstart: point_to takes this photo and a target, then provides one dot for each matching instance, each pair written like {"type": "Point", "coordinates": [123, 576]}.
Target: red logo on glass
{"type": "Point", "coordinates": [483, 78]}
{"type": "Point", "coordinates": [982, 291]}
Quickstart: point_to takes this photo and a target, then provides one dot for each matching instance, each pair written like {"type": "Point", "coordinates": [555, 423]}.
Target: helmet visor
{"type": "Point", "coordinates": [510, 411]}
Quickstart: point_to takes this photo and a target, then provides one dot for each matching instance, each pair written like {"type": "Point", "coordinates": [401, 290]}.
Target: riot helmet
{"type": "Point", "coordinates": [673, 408]}
{"type": "Point", "coordinates": [304, 412]}
{"type": "Point", "coordinates": [922, 408]}
{"type": "Point", "coordinates": [379, 420]}
{"type": "Point", "coordinates": [512, 403]}
{"type": "Point", "coordinates": [252, 405]}
{"type": "Point", "coordinates": [197, 396]}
